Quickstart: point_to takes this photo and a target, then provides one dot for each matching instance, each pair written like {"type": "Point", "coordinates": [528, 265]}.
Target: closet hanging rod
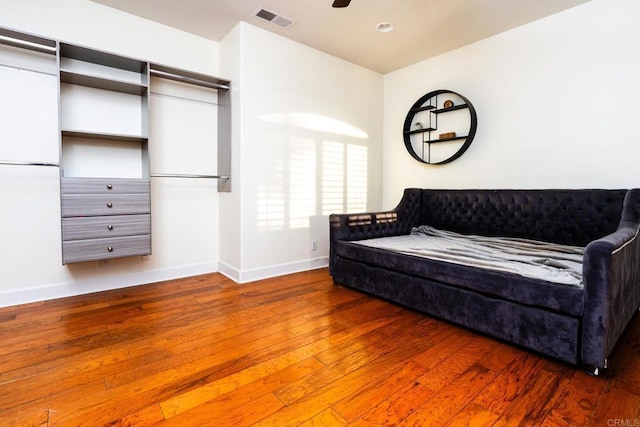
{"type": "Point", "coordinates": [185, 79]}
{"type": "Point", "coordinates": [19, 163]}
{"type": "Point", "coordinates": [11, 41]}
{"type": "Point", "coordinates": [183, 175]}
{"type": "Point", "coordinates": [31, 70]}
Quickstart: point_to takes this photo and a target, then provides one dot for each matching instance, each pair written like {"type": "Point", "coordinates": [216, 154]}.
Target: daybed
{"type": "Point", "coordinates": [576, 321]}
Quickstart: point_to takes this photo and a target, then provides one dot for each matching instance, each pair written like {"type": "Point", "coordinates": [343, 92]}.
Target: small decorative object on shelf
{"type": "Point", "coordinates": [438, 135]}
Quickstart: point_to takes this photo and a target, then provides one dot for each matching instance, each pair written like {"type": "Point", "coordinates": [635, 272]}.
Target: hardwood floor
{"type": "Point", "coordinates": [294, 350]}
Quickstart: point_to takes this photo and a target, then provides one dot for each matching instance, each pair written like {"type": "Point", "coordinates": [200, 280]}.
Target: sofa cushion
{"type": "Point", "coordinates": [513, 287]}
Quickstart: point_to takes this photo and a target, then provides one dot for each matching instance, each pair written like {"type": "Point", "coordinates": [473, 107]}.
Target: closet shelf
{"type": "Point", "coordinates": [103, 136]}
{"type": "Point", "coordinates": [99, 82]}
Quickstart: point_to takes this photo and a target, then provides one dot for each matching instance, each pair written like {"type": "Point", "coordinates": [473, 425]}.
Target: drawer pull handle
{"type": "Point", "coordinates": [109, 186]}
{"type": "Point", "coordinates": [110, 227]}
{"type": "Point", "coordinates": [109, 205]}
{"type": "Point", "coordinates": [110, 248]}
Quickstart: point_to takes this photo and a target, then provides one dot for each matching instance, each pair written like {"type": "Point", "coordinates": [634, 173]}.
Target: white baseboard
{"type": "Point", "coordinates": [229, 271]}
{"type": "Point", "coordinates": [102, 283]}
{"type": "Point", "coordinates": [245, 276]}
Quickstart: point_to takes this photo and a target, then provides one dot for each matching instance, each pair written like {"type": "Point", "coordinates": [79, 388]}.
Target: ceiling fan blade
{"type": "Point", "coordinates": [341, 3]}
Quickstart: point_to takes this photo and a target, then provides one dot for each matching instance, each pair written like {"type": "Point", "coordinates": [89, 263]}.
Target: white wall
{"type": "Point", "coordinates": [231, 65]}
{"type": "Point", "coordinates": [302, 121]}
{"type": "Point", "coordinates": [556, 102]}
{"type": "Point", "coordinates": [184, 213]}
{"type": "Point", "coordinates": [90, 24]}
{"type": "Point", "coordinates": [556, 108]}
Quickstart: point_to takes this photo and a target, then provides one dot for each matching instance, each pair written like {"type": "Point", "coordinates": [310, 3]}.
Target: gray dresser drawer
{"type": "Point", "coordinates": [104, 186]}
{"type": "Point", "coordinates": [99, 249]}
{"type": "Point", "coordinates": [110, 204]}
{"type": "Point", "coordinates": [104, 218]}
{"type": "Point", "coordinates": [93, 227]}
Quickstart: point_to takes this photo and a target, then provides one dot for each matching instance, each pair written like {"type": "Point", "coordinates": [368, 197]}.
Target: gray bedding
{"type": "Point", "coordinates": [529, 258]}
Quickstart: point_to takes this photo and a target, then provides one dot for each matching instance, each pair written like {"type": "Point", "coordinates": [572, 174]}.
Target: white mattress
{"type": "Point", "coordinates": [529, 258]}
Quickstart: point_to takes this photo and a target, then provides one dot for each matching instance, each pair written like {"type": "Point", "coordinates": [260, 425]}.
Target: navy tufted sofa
{"type": "Point", "coordinates": [576, 324]}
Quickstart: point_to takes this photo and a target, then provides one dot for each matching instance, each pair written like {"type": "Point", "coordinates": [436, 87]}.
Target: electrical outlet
{"type": "Point", "coordinates": [314, 245]}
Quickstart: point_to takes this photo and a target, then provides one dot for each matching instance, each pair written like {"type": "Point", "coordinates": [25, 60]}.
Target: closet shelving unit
{"type": "Point", "coordinates": [104, 145]}
{"type": "Point", "coordinates": [104, 107]}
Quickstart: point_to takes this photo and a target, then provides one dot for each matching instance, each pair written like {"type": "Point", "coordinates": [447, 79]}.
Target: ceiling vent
{"type": "Point", "coordinates": [274, 18]}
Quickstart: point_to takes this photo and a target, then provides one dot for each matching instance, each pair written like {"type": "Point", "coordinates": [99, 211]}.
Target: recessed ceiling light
{"type": "Point", "coordinates": [384, 27]}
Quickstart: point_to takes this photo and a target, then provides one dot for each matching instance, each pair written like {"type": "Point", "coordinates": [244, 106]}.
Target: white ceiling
{"type": "Point", "coordinates": [423, 28]}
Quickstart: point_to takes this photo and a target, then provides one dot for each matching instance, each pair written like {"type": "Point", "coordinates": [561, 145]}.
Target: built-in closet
{"type": "Point", "coordinates": [100, 135]}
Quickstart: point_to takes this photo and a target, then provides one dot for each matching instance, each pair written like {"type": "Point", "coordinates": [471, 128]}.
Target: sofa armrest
{"type": "Point", "coordinates": [611, 273]}
{"type": "Point", "coordinates": [370, 225]}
